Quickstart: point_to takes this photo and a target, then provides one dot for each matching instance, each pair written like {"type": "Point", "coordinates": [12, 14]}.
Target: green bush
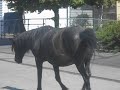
{"type": "Point", "coordinates": [109, 36]}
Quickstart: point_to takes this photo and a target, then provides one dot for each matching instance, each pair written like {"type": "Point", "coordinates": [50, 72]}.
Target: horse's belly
{"type": "Point", "coordinates": [62, 60]}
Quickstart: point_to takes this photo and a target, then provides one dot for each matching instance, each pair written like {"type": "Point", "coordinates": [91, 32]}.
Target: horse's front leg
{"type": "Point", "coordinates": [39, 72]}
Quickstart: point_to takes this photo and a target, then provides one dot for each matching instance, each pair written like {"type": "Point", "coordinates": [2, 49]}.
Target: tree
{"type": "Point", "coordinates": [99, 3]}
{"type": "Point", "coordinates": [40, 5]}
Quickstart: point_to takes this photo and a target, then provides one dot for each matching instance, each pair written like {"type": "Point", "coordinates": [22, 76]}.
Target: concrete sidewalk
{"type": "Point", "coordinates": [24, 77]}
{"type": "Point", "coordinates": [21, 77]}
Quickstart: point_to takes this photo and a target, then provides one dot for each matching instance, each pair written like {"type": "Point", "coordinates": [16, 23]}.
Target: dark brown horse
{"type": "Point", "coordinates": [60, 47]}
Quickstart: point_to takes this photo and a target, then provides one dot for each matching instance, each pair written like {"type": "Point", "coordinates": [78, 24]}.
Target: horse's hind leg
{"type": "Point", "coordinates": [87, 66]}
{"type": "Point", "coordinates": [58, 79]}
{"type": "Point", "coordinates": [86, 78]}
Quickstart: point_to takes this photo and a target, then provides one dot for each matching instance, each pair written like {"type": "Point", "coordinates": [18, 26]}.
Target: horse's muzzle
{"type": "Point", "coordinates": [18, 61]}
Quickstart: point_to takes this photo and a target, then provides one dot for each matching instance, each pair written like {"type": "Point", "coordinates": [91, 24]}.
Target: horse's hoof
{"type": "Point", "coordinates": [86, 89]}
{"type": "Point", "coordinates": [65, 88]}
{"type": "Point", "coordinates": [39, 88]}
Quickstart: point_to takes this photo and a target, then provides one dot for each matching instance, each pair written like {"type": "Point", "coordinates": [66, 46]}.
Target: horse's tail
{"type": "Point", "coordinates": [88, 37]}
{"type": "Point", "coordinates": [87, 45]}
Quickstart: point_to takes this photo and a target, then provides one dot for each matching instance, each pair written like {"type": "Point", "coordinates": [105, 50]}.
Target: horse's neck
{"type": "Point", "coordinates": [27, 43]}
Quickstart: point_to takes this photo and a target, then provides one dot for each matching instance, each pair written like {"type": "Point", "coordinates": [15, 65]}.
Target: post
{"type": "Point", "coordinates": [43, 21]}
{"type": "Point", "coordinates": [28, 25]}
{"type": "Point", "coordinates": [56, 17]}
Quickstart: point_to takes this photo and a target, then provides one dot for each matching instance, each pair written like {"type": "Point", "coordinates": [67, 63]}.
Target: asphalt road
{"type": "Point", "coordinates": [105, 73]}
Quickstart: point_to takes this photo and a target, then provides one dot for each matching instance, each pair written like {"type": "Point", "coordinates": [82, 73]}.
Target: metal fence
{"type": "Point", "coordinates": [38, 22]}
{"type": "Point", "coordinates": [9, 27]}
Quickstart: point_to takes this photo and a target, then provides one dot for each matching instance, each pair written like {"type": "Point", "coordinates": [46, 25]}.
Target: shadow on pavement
{"type": "Point", "coordinates": [11, 88]}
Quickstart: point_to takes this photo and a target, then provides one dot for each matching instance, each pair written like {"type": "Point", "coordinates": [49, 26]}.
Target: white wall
{"type": "Point", "coordinates": [0, 9]}
{"type": "Point", "coordinates": [0, 15]}
{"type": "Point", "coordinates": [36, 18]}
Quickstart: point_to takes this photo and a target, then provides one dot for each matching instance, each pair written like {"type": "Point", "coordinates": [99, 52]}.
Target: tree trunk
{"type": "Point", "coordinates": [21, 21]}
{"type": "Point", "coordinates": [56, 17]}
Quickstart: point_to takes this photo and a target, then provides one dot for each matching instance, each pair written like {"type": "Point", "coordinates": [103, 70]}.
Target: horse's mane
{"type": "Point", "coordinates": [25, 39]}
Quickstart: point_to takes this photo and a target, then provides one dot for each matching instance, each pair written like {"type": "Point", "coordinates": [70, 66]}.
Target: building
{"type": "Point", "coordinates": [0, 16]}
{"type": "Point", "coordinates": [0, 10]}
{"type": "Point", "coordinates": [118, 10]}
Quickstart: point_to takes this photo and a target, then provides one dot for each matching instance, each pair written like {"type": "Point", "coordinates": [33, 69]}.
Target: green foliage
{"type": "Point", "coordinates": [33, 5]}
{"type": "Point", "coordinates": [109, 35]}
{"type": "Point", "coordinates": [109, 3]}
{"type": "Point", "coordinates": [81, 20]}
{"type": "Point", "coordinates": [23, 5]}
{"type": "Point", "coordinates": [99, 3]}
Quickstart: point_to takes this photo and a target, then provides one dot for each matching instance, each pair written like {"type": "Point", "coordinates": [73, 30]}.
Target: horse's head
{"type": "Point", "coordinates": [19, 51]}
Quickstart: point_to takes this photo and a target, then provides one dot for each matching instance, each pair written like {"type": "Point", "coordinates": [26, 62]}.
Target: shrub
{"type": "Point", "coordinates": [109, 36]}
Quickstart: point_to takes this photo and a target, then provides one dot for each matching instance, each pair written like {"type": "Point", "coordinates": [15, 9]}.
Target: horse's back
{"type": "Point", "coordinates": [38, 33]}
{"type": "Point", "coordinates": [56, 41]}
